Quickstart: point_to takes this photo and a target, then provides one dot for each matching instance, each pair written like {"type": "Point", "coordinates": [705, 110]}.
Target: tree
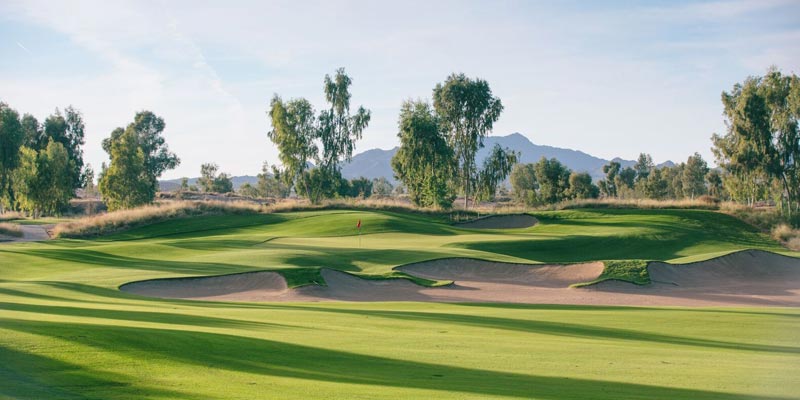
{"type": "Point", "coordinates": [643, 167]}
{"type": "Point", "coordinates": [34, 134]}
{"type": "Point", "coordinates": [762, 137]}
{"type": "Point", "coordinates": [271, 184]}
{"type": "Point", "coordinates": [694, 174]}
{"type": "Point", "coordinates": [424, 163]}
{"type": "Point", "coordinates": [496, 168]}
{"type": "Point", "coordinates": [581, 186]}
{"type": "Point", "coordinates": [211, 181]}
{"type": "Point", "coordinates": [608, 186]}
{"type": "Point", "coordinates": [11, 138]}
{"type": "Point", "coordinates": [359, 187]}
{"type": "Point", "coordinates": [656, 186]}
{"type": "Point", "coordinates": [42, 181]}
{"type": "Point", "coordinates": [382, 187]}
{"type": "Point", "coordinates": [293, 132]}
{"type": "Point", "coordinates": [68, 129]}
{"type": "Point", "coordinates": [523, 183]}
{"type": "Point", "coordinates": [184, 184]}
{"type": "Point", "coordinates": [338, 129]}
{"type": "Point", "coordinates": [126, 182]}
{"type": "Point", "coordinates": [714, 181]}
{"type": "Point", "coordinates": [147, 130]}
{"type": "Point", "coordinates": [467, 111]}
{"type": "Point", "coordinates": [553, 180]}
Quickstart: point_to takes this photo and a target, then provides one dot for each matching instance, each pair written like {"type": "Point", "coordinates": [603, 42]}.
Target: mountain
{"type": "Point", "coordinates": [376, 163]}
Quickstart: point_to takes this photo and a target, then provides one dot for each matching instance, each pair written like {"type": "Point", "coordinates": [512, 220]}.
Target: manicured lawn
{"type": "Point", "coordinates": [67, 332]}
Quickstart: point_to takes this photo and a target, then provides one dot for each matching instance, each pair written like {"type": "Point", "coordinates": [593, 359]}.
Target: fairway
{"type": "Point", "coordinates": [67, 331]}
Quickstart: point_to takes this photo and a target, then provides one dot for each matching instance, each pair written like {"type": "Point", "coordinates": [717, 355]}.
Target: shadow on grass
{"type": "Point", "coordinates": [558, 329]}
{"type": "Point", "coordinates": [25, 375]}
{"type": "Point", "coordinates": [273, 358]}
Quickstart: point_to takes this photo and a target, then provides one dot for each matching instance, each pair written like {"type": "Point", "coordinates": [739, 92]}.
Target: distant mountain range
{"type": "Point", "coordinates": [376, 163]}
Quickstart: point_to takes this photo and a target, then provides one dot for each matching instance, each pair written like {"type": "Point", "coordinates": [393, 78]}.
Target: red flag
{"type": "Point", "coordinates": [359, 224]}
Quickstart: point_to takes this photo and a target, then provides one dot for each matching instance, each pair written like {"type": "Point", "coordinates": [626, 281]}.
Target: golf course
{"type": "Point", "coordinates": [94, 318]}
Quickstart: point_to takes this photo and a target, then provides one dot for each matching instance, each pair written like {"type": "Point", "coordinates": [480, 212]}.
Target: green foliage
{"type": "Point", "coordinates": [338, 129]}
{"type": "Point", "coordinates": [211, 181]}
{"type": "Point", "coordinates": [43, 180]}
{"type": "Point", "coordinates": [553, 180]}
{"type": "Point", "coordinates": [126, 183]}
{"type": "Point", "coordinates": [424, 162]}
{"type": "Point", "coordinates": [694, 174]}
{"type": "Point", "coordinates": [271, 184]}
{"type": "Point", "coordinates": [466, 111]}
{"type": "Point", "coordinates": [11, 138]}
{"type": "Point", "coordinates": [67, 129]}
{"type": "Point", "coordinates": [359, 187]}
{"type": "Point", "coordinates": [608, 186]}
{"type": "Point", "coordinates": [293, 132]}
{"type": "Point", "coordinates": [762, 143]}
{"type": "Point", "coordinates": [496, 169]}
{"type": "Point", "coordinates": [321, 184]}
{"type": "Point", "coordinates": [581, 186]}
{"type": "Point", "coordinates": [382, 187]}
{"type": "Point", "coordinates": [644, 165]}
{"type": "Point", "coordinates": [523, 183]}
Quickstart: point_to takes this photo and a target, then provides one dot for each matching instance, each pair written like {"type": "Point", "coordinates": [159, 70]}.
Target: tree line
{"type": "Point", "coordinates": [41, 164]}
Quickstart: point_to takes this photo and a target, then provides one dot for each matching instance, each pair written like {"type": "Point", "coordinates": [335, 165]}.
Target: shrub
{"type": "Point", "coordinates": [10, 229]}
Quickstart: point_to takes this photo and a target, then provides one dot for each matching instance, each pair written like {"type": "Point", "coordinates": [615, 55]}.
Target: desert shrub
{"type": "Point", "coordinates": [10, 229]}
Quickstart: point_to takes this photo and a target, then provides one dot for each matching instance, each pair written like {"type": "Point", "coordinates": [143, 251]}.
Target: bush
{"type": "Point", "coordinates": [10, 229]}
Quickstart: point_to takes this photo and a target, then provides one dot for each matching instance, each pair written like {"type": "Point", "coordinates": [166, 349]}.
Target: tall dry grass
{"type": "Point", "coordinates": [699, 204]}
{"type": "Point", "coordinates": [11, 216]}
{"type": "Point", "coordinates": [116, 221]}
{"type": "Point", "coordinates": [10, 229]}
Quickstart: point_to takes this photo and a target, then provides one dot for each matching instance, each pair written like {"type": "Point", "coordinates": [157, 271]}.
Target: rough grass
{"type": "Point", "coordinates": [633, 271]}
{"type": "Point", "coordinates": [67, 332]}
{"type": "Point", "coordinates": [11, 216]}
{"type": "Point", "coordinates": [10, 229]}
{"type": "Point", "coordinates": [642, 204]}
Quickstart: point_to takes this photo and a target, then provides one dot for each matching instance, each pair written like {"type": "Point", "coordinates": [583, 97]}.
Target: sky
{"type": "Point", "coordinates": [610, 78]}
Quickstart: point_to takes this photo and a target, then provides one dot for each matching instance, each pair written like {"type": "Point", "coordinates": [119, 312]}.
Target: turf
{"type": "Point", "coordinates": [67, 332]}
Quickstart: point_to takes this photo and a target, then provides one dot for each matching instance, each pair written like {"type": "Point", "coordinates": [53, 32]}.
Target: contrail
{"type": "Point", "coordinates": [24, 48]}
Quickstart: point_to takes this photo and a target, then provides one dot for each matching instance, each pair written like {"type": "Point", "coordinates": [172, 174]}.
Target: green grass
{"type": "Point", "coordinates": [67, 332]}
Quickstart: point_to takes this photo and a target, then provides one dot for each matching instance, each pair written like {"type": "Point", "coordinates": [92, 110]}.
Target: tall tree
{"type": "Point", "coordinates": [68, 129]}
{"type": "Point", "coordinates": [147, 130]}
{"type": "Point", "coordinates": [42, 181]}
{"type": "Point", "coordinates": [762, 136]}
{"type": "Point", "coordinates": [523, 183]}
{"type": "Point", "coordinates": [126, 182]}
{"type": "Point", "coordinates": [608, 185]}
{"type": "Point", "coordinates": [212, 181]}
{"type": "Point", "coordinates": [34, 134]}
{"type": "Point", "coordinates": [338, 128]}
{"type": "Point", "coordinates": [643, 166]}
{"type": "Point", "coordinates": [139, 155]}
{"type": "Point", "coordinates": [11, 139]}
{"type": "Point", "coordinates": [467, 111]}
{"type": "Point", "coordinates": [581, 186]}
{"type": "Point", "coordinates": [553, 180]}
{"type": "Point", "coordinates": [496, 168]}
{"type": "Point", "coordinates": [694, 176]}
{"type": "Point", "coordinates": [424, 162]}
{"type": "Point", "coordinates": [293, 132]}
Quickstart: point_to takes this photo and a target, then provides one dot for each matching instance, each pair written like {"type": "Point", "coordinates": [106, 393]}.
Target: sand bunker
{"type": "Point", "coordinates": [514, 221]}
{"type": "Point", "coordinates": [30, 233]}
{"type": "Point", "coordinates": [748, 278]}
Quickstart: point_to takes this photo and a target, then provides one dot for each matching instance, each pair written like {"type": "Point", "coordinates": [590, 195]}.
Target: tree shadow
{"type": "Point", "coordinates": [274, 358]}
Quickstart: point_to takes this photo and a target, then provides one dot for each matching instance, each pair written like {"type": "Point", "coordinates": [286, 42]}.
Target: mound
{"type": "Point", "coordinates": [514, 221]}
{"type": "Point", "coordinates": [749, 277]}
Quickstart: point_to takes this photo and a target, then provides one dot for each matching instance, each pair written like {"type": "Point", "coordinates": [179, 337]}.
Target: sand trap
{"type": "Point", "coordinates": [748, 278]}
{"type": "Point", "coordinates": [30, 233]}
{"type": "Point", "coordinates": [514, 221]}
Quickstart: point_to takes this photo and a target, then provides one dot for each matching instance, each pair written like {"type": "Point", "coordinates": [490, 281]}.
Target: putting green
{"type": "Point", "coordinates": [67, 332]}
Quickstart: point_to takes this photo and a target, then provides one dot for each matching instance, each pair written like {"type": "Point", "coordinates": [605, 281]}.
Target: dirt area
{"type": "Point", "coordinates": [748, 278]}
{"type": "Point", "coordinates": [515, 221]}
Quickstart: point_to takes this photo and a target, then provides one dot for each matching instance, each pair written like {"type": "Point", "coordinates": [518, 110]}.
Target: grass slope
{"type": "Point", "coordinates": [67, 332]}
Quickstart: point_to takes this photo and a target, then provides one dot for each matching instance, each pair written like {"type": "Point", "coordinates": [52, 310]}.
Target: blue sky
{"type": "Point", "coordinates": [608, 78]}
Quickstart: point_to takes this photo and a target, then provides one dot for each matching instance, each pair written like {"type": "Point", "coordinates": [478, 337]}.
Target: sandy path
{"type": "Point", "coordinates": [749, 278]}
{"type": "Point", "coordinates": [30, 233]}
{"type": "Point", "coordinates": [515, 221]}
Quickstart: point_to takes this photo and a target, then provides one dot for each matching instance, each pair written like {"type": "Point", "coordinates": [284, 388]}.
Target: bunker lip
{"type": "Point", "coordinates": [746, 278]}
{"type": "Point", "coordinates": [509, 221]}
